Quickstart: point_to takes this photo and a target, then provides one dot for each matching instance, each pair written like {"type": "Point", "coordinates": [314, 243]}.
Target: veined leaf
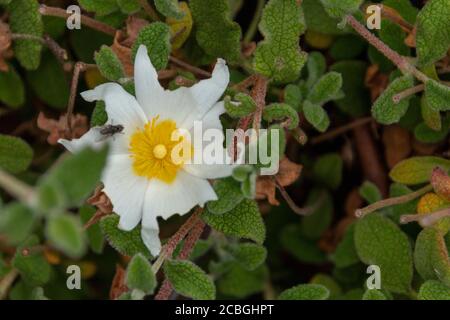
{"type": "Point", "coordinates": [416, 170]}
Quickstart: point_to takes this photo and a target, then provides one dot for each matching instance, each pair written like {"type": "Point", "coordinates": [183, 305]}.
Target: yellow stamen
{"type": "Point", "coordinates": [151, 150]}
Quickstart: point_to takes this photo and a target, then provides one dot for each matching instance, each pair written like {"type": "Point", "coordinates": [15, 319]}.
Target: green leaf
{"type": "Point", "coordinates": [434, 290]}
{"type": "Point", "coordinates": [243, 221]}
{"type": "Point", "coordinates": [293, 96]}
{"type": "Point", "coordinates": [65, 232]}
{"type": "Point", "coordinates": [94, 233]}
{"type": "Point", "coordinates": [12, 92]}
{"type": "Point", "coordinates": [316, 115]}
{"type": "Point", "coordinates": [340, 8]}
{"type": "Point", "coordinates": [49, 82]}
{"type": "Point", "coordinates": [15, 154]}
{"type": "Point", "coordinates": [127, 243]}
{"type": "Point", "coordinates": [318, 20]}
{"type": "Point", "coordinates": [75, 177]}
{"type": "Point", "coordinates": [379, 241]}
{"type": "Point", "coordinates": [431, 117]}
{"type": "Point", "coordinates": [384, 110]}
{"type": "Point", "coordinates": [169, 8]}
{"type": "Point", "coordinates": [433, 31]}
{"type": "Point", "coordinates": [129, 6]}
{"type": "Point", "coordinates": [370, 192]}
{"type": "Point", "coordinates": [396, 190]}
{"type": "Point", "coordinates": [24, 18]}
{"type": "Point", "coordinates": [437, 95]}
{"type": "Point", "coordinates": [16, 222]}
{"type": "Point", "coordinates": [140, 275]}
{"type": "Point", "coordinates": [229, 196]}
{"type": "Point", "coordinates": [101, 8]}
{"type": "Point", "coordinates": [249, 255]}
{"type": "Point", "coordinates": [356, 97]}
{"type": "Point", "coordinates": [328, 170]}
{"type": "Point", "coordinates": [431, 256]}
{"type": "Point", "coordinates": [109, 64]}
{"type": "Point", "coordinates": [245, 105]}
{"type": "Point", "coordinates": [33, 268]}
{"type": "Point", "coordinates": [347, 47]}
{"type": "Point", "coordinates": [242, 172]}
{"type": "Point", "coordinates": [216, 33]}
{"type": "Point", "coordinates": [305, 292]}
{"type": "Point", "coordinates": [156, 37]}
{"type": "Point", "coordinates": [240, 283]}
{"type": "Point", "coordinates": [279, 56]}
{"type": "Point", "coordinates": [345, 254]}
{"type": "Point", "coordinates": [374, 294]}
{"type": "Point", "coordinates": [316, 66]}
{"type": "Point", "coordinates": [189, 280]}
{"type": "Point", "coordinates": [326, 88]}
{"type": "Point", "coordinates": [99, 115]}
{"type": "Point", "coordinates": [425, 134]}
{"type": "Point", "coordinates": [329, 283]}
{"type": "Point", "coordinates": [417, 170]}
{"type": "Point", "coordinates": [314, 225]}
{"type": "Point", "coordinates": [281, 111]}
{"type": "Point", "coordinates": [302, 249]}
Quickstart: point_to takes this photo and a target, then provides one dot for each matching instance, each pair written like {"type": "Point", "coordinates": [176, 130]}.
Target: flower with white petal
{"type": "Point", "coordinates": [140, 178]}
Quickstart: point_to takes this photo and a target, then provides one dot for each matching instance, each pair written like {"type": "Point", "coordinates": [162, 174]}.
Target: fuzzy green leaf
{"type": "Point", "coordinates": [238, 282]}
{"type": "Point", "coordinates": [316, 66]}
{"type": "Point", "coordinates": [370, 192]}
{"type": "Point", "coordinates": [431, 117]}
{"type": "Point", "coordinates": [16, 222]}
{"type": "Point", "coordinates": [249, 255]}
{"type": "Point", "coordinates": [127, 243]}
{"type": "Point", "coordinates": [293, 96]}
{"type": "Point", "coordinates": [425, 134]}
{"type": "Point", "coordinates": [243, 221]}
{"type": "Point", "coordinates": [381, 242]}
{"type": "Point", "coordinates": [433, 31]}
{"type": "Point", "coordinates": [416, 170]}
{"type": "Point", "coordinates": [216, 33]}
{"type": "Point", "coordinates": [169, 8]}
{"type": "Point", "coordinates": [156, 37]}
{"type": "Point", "coordinates": [12, 92]}
{"type": "Point", "coordinates": [305, 292]}
{"type": "Point", "coordinates": [64, 231]}
{"type": "Point", "coordinates": [33, 268]}
{"type": "Point", "coordinates": [431, 256]}
{"type": "Point", "coordinates": [129, 6]}
{"type": "Point", "coordinates": [316, 115]}
{"type": "Point", "coordinates": [49, 82]}
{"type": "Point", "coordinates": [229, 196]}
{"type": "Point", "coordinates": [24, 18]}
{"type": "Point", "coordinates": [434, 290]}
{"type": "Point", "coordinates": [302, 249]}
{"type": "Point", "coordinates": [245, 105]}
{"type": "Point", "coordinates": [76, 176]}
{"type": "Point", "coordinates": [99, 115]}
{"type": "Point", "coordinates": [281, 111]}
{"type": "Point", "coordinates": [140, 275]}
{"type": "Point", "coordinates": [384, 110]}
{"type": "Point", "coordinates": [374, 294]}
{"type": "Point", "coordinates": [101, 8]}
{"type": "Point", "coordinates": [340, 8]}
{"type": "Point", "coordinates": [318, 20]}
{"type": "Point", "coordinates": [279, 56]}
{"type": "Point", "coordinates": [345, 254]}
{"type": "Point", "coordinates": [328, 170]}
{"type": "Point", "coordinates": [109, 64]}
{"type": "Point", "coordinates": [189, 280]}
{"type": "Point", "coordinates": [437, 95]}
{"type": "Point", "coordinates": [15, 154]}
{"type": "Point", "coordinates": [326, 88]}
{"type": "Point", "coordinates": [314, 225]}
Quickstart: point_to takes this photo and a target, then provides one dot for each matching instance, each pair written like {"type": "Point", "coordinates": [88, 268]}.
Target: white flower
{"type": "Point", "coordinates": [140, 178]}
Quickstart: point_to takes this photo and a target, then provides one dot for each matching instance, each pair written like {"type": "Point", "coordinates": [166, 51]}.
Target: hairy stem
{"type": "Point", "coordinates": [408, 92]}
{"type": "Point", "coordinates": [300, 211]}
{"type": "Point", "coordinates": [6, 283]}
{"type": "Point", "coordinates": [392, 201]}
{"type": "Point", "coordinates": [426, 220]}
{"type": "Point", "coordinates": [16, 188]}
{"type": "Point", "coordinates": [253, 27]}
{"type": "Point", "coordinates": [259, 95]}
{"type": "Point", "coordinates": [85, 20]}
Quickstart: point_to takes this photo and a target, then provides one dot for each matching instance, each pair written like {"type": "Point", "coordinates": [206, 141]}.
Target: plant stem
{"type": "Point", "coordinates": [392, 201]}
{"type": "Point", "coordinates": [16, 188]}
{"type": "Point", "coordinates": [6, 283]}
{"type": "Point", "coordinates": [85, 20]}
{"type": "Point", "coordinates": [258, 94]}
{"type": "Point", "coordinates": [149, 10]}
{"type": "Point", "coordinates": [426, 220]}
{"type": "Point", "coordinates": [340, 130]}
{"type": "Point", "coordinates": [300, 211]}
{"type": "Point", "coordinates": [189, 67]}
{"type": "Point", "coordinates": [253, 27]}
{"type": "Point", "coordinates": [408, 92]}
{"type": "Point", "coordinates": [392, 55]}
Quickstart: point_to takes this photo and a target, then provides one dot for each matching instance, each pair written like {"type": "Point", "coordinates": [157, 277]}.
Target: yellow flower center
{"type": "Point", "coordinates": [152, 150]}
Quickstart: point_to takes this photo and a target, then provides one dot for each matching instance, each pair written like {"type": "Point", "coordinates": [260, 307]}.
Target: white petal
{"type": "Point", "coordinates": [150, 236]}
{"type": "Point", "coordinates": [125, 190]}
{"type": "Point", "coordinates": [207, 92]}
{"type": "Point", "coordinates": [121, 107]}
{"type": "Point", "coordinates": [92, 138]}
{"type": "Point", "coordinates": [149, 93]}
{"type": "Point", "coordinates": [209, 171]}
{"type": "Point", "coordinates": [179, 197]}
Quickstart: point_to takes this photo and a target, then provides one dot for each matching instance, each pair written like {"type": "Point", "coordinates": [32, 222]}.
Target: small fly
{"type": "Point", "coordinates": [109, 130]}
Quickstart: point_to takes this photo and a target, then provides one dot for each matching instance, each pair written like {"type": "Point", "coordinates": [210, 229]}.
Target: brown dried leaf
{"type": "Point", "coordinates": [118, 285]}
{"type": "Point", "coordinates": [100, 200]}
{"type": "Point", "coordinates": [397, 144]}
{"type": "Point", "coordinates": [287, 174]}
{"type": "Point", "coordinates": [410, 40]}
{"type": "Point", "coordinates": [57, 128]}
